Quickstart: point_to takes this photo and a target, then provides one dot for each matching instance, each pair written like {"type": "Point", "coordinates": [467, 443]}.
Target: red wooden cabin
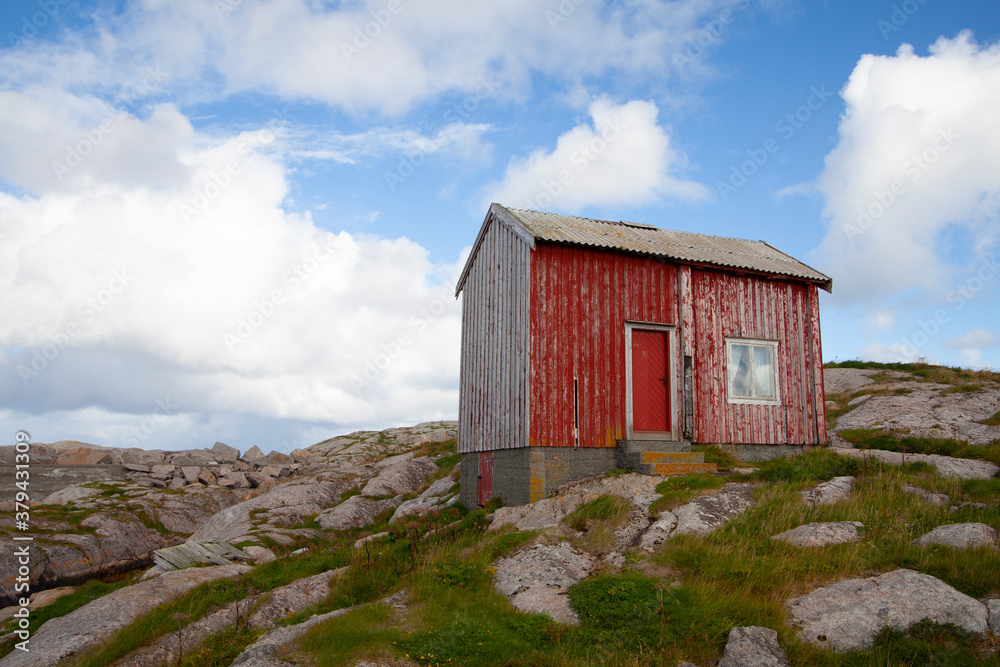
{"type": "Point", "coordinates": [589, 345]}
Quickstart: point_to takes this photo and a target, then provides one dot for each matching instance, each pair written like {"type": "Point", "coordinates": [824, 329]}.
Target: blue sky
{"type": "Point", "coordinates": [240, 220]}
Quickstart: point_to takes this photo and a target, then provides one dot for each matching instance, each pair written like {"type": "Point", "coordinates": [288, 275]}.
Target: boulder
{"type": "Point", "coordinates": [706, 513]}
{"type": "Point", "coordinates": [238, 479]}
{"type": "Point", "coordinates": [206, 477]}
{"type": "Point", "coordinates": [260, 555]}
{"type": "Point", "coordinates": [961, 536]}
{"type": "Point", "coordinates": [278, 458]}
{"type": "Point", "coordinates": [177, 483]}
{"type": "Point", "coordinates": [193, 457]}
{"type": "Point", "coordinates": [83, 456]}
{"type": "Point", "coordinates": [136, 467]}
{"type": "Point", "coordinates": [753, 647]}
{"type": "Point", "coordinates": [224, 453]}
{"type": "Point", "coordinates": [822, 534]}
{"type": "Point", "coordinates": [91, 624]}
{"type": "Point", "coordinates": [303, 456]}
{"type": "Point", "coordinates": [427, 501]}
{"type": "Point", "coordinates": [191, 473]}
{"type": "Point", "coordinates": [355, 512]}
{"type": "Point", "coordinates": [939, 499]}
{"type": "Point", "coordinates": [403, 477]}
{"type": "Point", "coordinates": [993, 611]}
{"type": "Point", "coordinates": [848, 614]}
{"type": "Point", "coordinates": [828, 493]}
{"type": "Point", "coordinates": [658, 532]}
{"type": "Point", "coordinates": [536, 579]}
{"type": "Point", "coordinates": [162, 469]}
{"type": "Point", "coordinates": [253, 454]}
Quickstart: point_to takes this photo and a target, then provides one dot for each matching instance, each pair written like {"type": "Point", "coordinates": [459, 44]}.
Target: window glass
{"type": "Point", "coordinates": [763, 371]}
{"type": "Point", "coordinates": [739, 369]}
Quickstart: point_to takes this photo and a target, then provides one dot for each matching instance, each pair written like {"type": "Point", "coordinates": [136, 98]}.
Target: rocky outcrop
{"type": "Point", "coordinates": [947, 466]}
{"type": "Point", "coordinates": [355, 512]}
{"type": "Point", "coordinates": [285, 505]}
{"type": "Point", "coordinates": [548, 512]}
{"type": "Point", "coordinates": [699, 517]}
{"type": "Point", "coordinates": [961, 536]}
{"type": "Point", "coordinates": [822, 534]}
{"type": "Point", "coordinates": [830, 492]}
{"type": "Point", "coordinates": [258, 611]}
{"type": "Point", "coordinates": [435, 497]}
{"type": "Point", "coordinates": [91, 624]}
{"type": "Point", "coordinates": [264, 652]}
{"type": "Point", "coordinates": [400, 477]}
{"type": "Point", "coordinates": [848, 614]}
{"type": "Point", "coordinates": [536, 579]}
{"type": "Point", "coordinates": [753, 647]}
{"type": "Point", "coordinates": [366, 446]}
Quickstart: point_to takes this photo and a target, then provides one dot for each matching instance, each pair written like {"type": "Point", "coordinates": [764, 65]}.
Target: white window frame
{"type": "Point", "coordinates": [753, 400]}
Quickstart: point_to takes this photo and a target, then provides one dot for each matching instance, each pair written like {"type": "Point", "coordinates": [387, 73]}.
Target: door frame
{"type": "Point", "coordinates": [671, 331]}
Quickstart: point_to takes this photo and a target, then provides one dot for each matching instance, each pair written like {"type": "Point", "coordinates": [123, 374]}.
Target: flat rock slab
{"type": "Point", "coordinates": [536, 579]}
{"type": "Point", "coordinates": [753, 647]}
{"type": "Point", "coordinates": [356, 512]}
{"type": "Point", "coordinates": [699, 517]}
{"type": "Point", "coordinates": [548, 512]}
{"type": "Point", "coordinates": [848, 614]}
{"type": "Point", "coordinates": [400, 478]}
{"type": "Point", "coordinates": [947, 466]}
{"type": "Point", "coordinates": [822, 534]}
{"type": "Point", "coordinates": [993, 609]}
{"type": "Point", "coordinates": [828, 493]}
{"type": "Point", "coordinates": [931, 413]}
{"type": "Point", "coordinates": [961, 536]}
{"type": "Point", "coordinates": [704, 514]}
{"type": "Point", "coordinates": [91, 624]}
{"type": "Point", "coordinates": [841, 380]}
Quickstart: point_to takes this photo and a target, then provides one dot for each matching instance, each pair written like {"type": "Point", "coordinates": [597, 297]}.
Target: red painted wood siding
{"type": "Point", "coordinates": [650, 380]}
{"type": "Point", "coordinates": [493, 391]}
{"type": "Point", "coordinates": [580, 300]}
{"type": "Point", "coordinates": [719, 305]}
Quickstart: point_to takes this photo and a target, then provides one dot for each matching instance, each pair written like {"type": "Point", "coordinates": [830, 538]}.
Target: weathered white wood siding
{"type": "Point", "coordinates": [493, 396]}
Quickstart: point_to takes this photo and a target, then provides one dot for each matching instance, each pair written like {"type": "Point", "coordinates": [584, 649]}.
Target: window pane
{"type": "Point", "coordinates": [739, 370]}
{"type": "Point", "coordinates": [763, 371]}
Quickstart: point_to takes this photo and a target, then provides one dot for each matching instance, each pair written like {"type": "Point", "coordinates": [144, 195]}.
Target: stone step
{"type": "Point", "coordinates": [652, 458]}
{"type": "Point", "coordinates": [682, 468]}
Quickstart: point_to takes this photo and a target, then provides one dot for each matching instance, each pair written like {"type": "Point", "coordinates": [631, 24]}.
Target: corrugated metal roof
{"type": "Point", "coordinates": [755, 256]}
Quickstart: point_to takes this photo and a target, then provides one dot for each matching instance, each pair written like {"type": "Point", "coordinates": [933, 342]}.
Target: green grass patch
{"type": "Point", "coordinates": [676, 491]}
{"type": "Point", "coordinates": [925, 372]}
{"type": "Point", "coordinates": [603, 508]}
{"type": "Point", "coordinates": [359, 634]}
{"type": "Point", "coordinates": [722, 459]}
{"type": "Point", "coordinates": [992, 421]}
{"type": "Point", "coordinates": [615, 472]}
{"type": "Point", "coordinates": [816, 464]}
{"type": "Point", "coordinates": [221, 649]}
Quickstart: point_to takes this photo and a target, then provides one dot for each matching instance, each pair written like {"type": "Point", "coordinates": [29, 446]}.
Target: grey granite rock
{"type": "Point", "coordinates": [822, 534]}
{"type": "Point", "coordinates": [961, 536]}
{"type": "Point", "coordinates": [536, 579]}
{"type": "Point", "coordinates": [848, 614]}
{"type": "Point", "coordinates": [753, 647]}
{"type": "Point", "coordinates": [828, 493]}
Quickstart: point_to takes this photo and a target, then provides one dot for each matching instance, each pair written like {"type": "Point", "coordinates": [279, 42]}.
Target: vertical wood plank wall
{"type": "Point", "coordinates": [580, 300]}
{"type": "Point", "coordinates": [493, 390]}
{"type": "Point", "coordinates": [729, 305]}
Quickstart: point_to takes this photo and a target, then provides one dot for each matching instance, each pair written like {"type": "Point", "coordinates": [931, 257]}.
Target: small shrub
{"type": "Point", "coordinates": [456, 574]}
{"type": "Point", "coordinates": [928, 643]}
{"type": "Point", "coordinates": [615, 601]}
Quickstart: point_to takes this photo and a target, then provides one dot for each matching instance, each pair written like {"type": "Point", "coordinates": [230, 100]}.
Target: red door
{"type": "Point", "coordinates": [650, 381]}
{"type": "Point", "coordinates": [485, 482]}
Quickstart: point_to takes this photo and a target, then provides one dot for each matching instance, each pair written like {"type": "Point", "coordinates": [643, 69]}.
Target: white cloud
{"type": "Point", "coordinates": [976, 337]}
{"type": "Point", "coordinates": [200, 288]}
{"type": "Point", "coordinates": [297, 49]}
{"type": "Point", "coordinates": [621, 157]}
{"type": "Point", "coordinates": [918, 159]}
